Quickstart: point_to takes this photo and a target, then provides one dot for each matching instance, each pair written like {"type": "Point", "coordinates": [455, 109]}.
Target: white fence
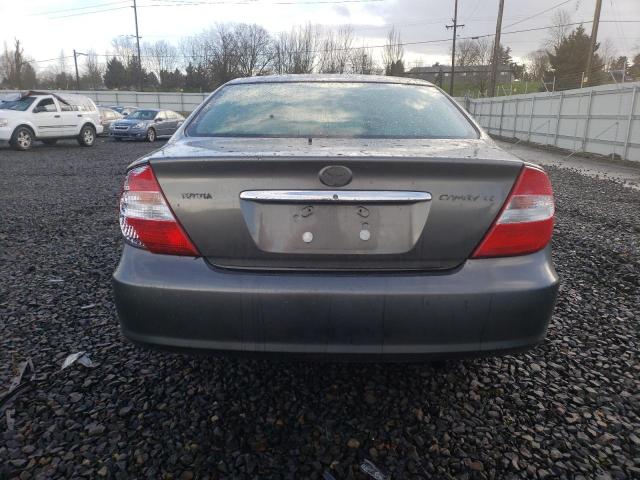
{"type": "Point", "coordinates": [180, 102]}
{"type": "Point", "coordinates": [603, 120]}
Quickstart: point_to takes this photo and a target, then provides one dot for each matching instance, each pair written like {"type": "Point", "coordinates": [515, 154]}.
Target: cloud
{"type": "Point", "coordinates": [342, 10]}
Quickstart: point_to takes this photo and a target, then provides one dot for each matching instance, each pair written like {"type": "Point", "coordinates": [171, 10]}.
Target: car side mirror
{"type": "Point", "coordinates": [40, 109]}
{"type": "Point", "coordinates": [125, 114]}
{"type": "Point", "coordinates": [157, 120]}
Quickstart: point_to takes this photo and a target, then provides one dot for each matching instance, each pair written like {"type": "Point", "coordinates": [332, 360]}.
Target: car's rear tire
{"type": "Point", "coordinates": [50, 141]}
{"type": "Point", "coordinates": [87, 136]}
{"type": "Point", "coordinates": [151, 135]}
{"type": "Point", "coordinates": [22, 139]}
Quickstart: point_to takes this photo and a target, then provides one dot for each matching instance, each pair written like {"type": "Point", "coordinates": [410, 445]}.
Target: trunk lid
{"type": "Point", "coordinates": [410, 204]}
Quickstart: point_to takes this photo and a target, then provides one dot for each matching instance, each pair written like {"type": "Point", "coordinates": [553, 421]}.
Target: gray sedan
{"type": "Point", "coordinates": [354, 216]}
{"type": "Point", "coordinates": [146, 124]}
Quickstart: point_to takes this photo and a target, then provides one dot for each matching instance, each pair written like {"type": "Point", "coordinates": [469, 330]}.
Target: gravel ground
{"type": "Point", "coordinates": [567, 409]}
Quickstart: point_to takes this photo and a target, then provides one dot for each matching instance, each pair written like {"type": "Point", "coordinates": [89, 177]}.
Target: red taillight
{"type": "Point", "coordinates": [146, 220]}
{"type": "Point", "coordinates": [525, 223]}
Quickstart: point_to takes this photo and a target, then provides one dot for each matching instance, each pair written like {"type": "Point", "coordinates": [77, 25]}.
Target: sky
{"type": "Point", "coordinates": [46, 27]}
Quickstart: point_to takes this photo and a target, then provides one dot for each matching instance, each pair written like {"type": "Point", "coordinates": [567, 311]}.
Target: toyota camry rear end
{"type": "Point", "coordinates": [335, 216]}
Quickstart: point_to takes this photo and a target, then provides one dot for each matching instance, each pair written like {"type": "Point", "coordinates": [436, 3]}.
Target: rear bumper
{"type": "Point", "coordinates": [485, 306]}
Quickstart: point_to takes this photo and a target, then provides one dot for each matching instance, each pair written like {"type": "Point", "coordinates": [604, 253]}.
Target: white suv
{"type": "Point", "coordinates": [48, 117]}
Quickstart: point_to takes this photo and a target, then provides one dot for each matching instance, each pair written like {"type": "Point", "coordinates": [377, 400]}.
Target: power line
{"type": "Point", "coordinates": [88, 13]}
{"type": "Point", "coordinates": [619, 27]}
{"type": "Point", "coordinates": [52, 59]}
{"type": "Point", "coordinates": [474, 10]}
{"type": "Point", "coordinates": [86, 7]}
{"type": "Point", "coordinates": [539, 13]}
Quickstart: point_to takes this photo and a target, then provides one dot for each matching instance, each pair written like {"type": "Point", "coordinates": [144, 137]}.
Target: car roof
{"type": "Point", "coordinates": [344, 78]}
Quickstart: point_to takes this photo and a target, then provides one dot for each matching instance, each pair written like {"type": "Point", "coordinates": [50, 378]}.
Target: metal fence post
{"type": "Point", "coordinates": [137, 102]}
{"type": "Point", "coordinates": [159, 102]}
{"type": "Point", "coordinates": [501, 115]}
{"type": "Point", "coordinates": [625, 150]}
{"type": "Point", "coordinates": [555, 137]}
{"type": "Point", "coordinates": [586, 121]}
{"type": "Point", "coordinates": [515, 119]}
{"type": "Point", "coordinates": [117, 102]}
{"type": "Point", "coordinates": [490, 114]}
{"type": "Point", "coordinates": [533, 106]}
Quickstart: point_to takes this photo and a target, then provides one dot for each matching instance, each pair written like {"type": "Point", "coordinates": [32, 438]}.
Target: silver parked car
{"type": "Point", "coordinates": [146, 124]}
{"type": "Point", "coordinates": [125, 111]}
{"type": "Point", "coordinates": [335, 215]}
{"type": "Point", "coordinates": [107, 117]}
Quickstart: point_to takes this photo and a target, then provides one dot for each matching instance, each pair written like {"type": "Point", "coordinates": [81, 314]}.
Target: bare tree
{"type": "Point", "coordinates": [393, 53]}
{"type": "Point", "coordinates": [93, 70]}
{"type": "Point", "coordinates": [559, 28]}
{"type": "Point", "coordinates": [124, 49]}
{"type": "Point", "coordinates": [295, 52]}
{"type": "Point", "coordinates": [362, 61]}
{"type": "Point", "coordinates": [335, 50]}
{"type": "Point", "coordinates": [608, 53]}
{"type": "Point", "coordinates": [537, 64]}
{"type": "Point", "coordinates": [222, 56]}
{"type": "Point", "coordinates": [159, 56]}
{"type": "Point", "coordinates": [195, 49]}
{"type": "Point", "coordinates": [254, 49]}
{"type": "Point", "coordinates": [484, 51]}
{"type": "Point", "coordinates": [12, 65]}
{"type": "Point", "coordinates": [466, 52]}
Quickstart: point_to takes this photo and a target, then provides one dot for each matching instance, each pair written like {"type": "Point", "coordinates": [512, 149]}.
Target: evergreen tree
{"type": "Point", "coordinates": [132, 69]}
{"type": "Point", "coordinates": [195, 79]}
{"type": "Point", "coordinates": [395, 68]}
{"type": "Point", "coordinates": [570, 58]}
{"type": "Point", "coordinates": [171, 80]}
{"type": "Point", "coordinates": [634, 69]}
{"type": "Point", "coordinates": [115, 75]}
{"type": "Point", "coordinates": [504, 55]}
{"type": "Point", "coordinates": [150, 80]}
{"type": "Point", "coordinates": [29, 78]}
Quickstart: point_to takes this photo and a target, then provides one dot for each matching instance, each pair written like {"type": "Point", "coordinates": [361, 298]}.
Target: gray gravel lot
{"type": "Point", "coordinates": [567, 409]}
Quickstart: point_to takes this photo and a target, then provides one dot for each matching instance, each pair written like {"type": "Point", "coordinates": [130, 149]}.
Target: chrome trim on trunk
{"type": "Point", "coordinates": [334, 196]}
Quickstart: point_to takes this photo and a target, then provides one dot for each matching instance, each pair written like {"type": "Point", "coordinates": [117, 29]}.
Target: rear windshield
{"type": "Point", "coordinates": [143, 114]}
{"type": "Point", "coordinates": [331, 109]}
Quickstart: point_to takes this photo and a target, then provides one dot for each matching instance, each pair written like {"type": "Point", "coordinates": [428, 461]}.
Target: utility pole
{"type": "Point", "coordinates": [453, 48]}
{"type": "Point", "coordinates": [135, 15]}
{"type": "Point", "coordinates": [594, 35]}
{"type": "Point", "coordinates": [75, 61]}
{"type": "Point", "coordinates": [496, 51]}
